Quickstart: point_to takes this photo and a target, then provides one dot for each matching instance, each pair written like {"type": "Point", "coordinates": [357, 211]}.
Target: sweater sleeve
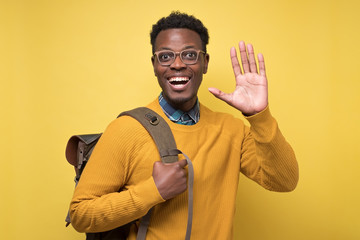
{"type": "Point", "coordinates": [267, 158]}
{"type": "Point", "coordinates": [97, 204]}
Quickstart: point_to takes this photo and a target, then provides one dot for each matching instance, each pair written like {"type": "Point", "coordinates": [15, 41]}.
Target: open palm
{"type": "Point", "coordinates": [251, 93]}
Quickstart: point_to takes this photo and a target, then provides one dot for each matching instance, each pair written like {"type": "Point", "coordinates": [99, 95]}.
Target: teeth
{"type": "Point", "coordinates": [178, 79]}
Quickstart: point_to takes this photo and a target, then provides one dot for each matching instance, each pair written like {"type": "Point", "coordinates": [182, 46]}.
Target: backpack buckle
{"type": "Point", "coordinates": [152, 119]}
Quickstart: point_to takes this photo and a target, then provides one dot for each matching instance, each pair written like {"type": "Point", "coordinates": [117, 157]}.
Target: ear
{"type": "Point", "coordinates": [153, 62]}
{"type": "Point", "coordinates": [206, 63]}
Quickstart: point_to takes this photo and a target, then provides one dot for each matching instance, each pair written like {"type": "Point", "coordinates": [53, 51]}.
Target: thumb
{"type": "Point", "coordinates": [220, 94]}
{"type": "Point", "coordinates": [182, 163]}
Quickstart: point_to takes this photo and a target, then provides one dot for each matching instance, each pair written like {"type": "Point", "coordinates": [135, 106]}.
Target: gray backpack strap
{"type": "Point", "coordinates": [165, 142]}
{"type": "Point", "coordinates": [145, 220]}
{"type": "Point", "coordinates": [159, 131]}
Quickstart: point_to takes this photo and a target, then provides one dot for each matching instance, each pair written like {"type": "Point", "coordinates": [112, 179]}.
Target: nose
{"type": "Point", "coordinates": [178, 63]}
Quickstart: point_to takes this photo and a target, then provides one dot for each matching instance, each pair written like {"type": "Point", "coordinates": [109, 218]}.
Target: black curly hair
{"type": "Point", "coordinates": [180, 20]}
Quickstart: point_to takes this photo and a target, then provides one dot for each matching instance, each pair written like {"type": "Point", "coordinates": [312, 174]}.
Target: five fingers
{"type": "Point", "coordinates": [248, 60]}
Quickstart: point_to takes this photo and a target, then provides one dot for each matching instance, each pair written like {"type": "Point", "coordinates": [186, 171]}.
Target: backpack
{"type": "Point", "coordinates": [80, 147]}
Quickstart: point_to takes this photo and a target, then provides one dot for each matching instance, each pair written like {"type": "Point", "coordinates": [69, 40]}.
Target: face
{"type": "Point", "coordinates": [180, 82]}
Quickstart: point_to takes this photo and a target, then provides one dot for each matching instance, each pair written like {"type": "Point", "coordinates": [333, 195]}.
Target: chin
{"type": "Point", "coordinates": [181, 101]}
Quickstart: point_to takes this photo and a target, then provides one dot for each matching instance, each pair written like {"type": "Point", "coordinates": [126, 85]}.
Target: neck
{"type": "Point", "coordinates": [182, 104]}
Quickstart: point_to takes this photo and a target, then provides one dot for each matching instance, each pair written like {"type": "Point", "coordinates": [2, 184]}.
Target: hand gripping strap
{"type": "Point", "coordinates": [165, 142]}
{"type": "Point", "coordinates": [144, 223]}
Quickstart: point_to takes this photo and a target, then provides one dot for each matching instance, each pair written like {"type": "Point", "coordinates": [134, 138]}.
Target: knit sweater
{"type": "Point", "coordinates": [220, 147]}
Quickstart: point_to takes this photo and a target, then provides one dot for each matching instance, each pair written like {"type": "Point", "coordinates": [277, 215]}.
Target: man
{"type": "Point", "coordinates": [219, 145]}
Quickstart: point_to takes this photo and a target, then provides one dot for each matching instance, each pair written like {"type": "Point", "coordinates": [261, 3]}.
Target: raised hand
{"type": "Point", "coordinates": [251, 93]}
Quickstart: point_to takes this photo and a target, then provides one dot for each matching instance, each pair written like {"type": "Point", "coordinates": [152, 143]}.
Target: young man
{"type": "Point", "coordinates": [219, 145]}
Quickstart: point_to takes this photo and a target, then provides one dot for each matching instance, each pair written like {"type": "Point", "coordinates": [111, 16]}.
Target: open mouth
{"type": "Point", "coordinates": [179, 80]}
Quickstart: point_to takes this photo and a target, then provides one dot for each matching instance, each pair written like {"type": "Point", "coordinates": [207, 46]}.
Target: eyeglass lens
{"type": "Point", "coordinates": [187, 57]}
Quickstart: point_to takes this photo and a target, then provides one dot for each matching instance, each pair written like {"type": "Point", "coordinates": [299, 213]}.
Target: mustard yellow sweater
{"type": "Point", "coordinates": [220, 147]}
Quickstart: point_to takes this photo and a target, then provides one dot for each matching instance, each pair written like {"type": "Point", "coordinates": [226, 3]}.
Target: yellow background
{"type": "Point", "coordinates": [70, 67]}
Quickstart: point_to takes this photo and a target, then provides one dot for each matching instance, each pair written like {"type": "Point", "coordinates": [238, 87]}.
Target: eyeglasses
{"type": "Point", "coordinates": [188, 56]}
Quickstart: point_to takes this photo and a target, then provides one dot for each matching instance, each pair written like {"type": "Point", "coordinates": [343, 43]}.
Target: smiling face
{"type": "Point", "coordinates": [180, 82]}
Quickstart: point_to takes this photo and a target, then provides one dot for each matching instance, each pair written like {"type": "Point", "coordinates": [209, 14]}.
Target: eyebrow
{"type": "Point", "coordinates": [186, 47]}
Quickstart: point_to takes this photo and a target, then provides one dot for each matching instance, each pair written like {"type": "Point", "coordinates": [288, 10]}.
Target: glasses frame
{"type": "Point", "coordinates": [177, 54]}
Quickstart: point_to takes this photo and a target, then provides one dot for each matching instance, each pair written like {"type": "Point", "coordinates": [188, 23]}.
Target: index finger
{"type": "Point", "coordinates": [179, 164]}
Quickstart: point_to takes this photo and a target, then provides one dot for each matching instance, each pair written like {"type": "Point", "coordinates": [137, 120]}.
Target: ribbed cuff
{"type": "Point", "coordinates": [147, 194]}
{"type": "Point", "coordinates": [263, 125]}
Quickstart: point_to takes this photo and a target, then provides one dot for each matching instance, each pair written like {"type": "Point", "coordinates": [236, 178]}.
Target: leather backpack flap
{"type": "Point", "coordinates": [79, 149]}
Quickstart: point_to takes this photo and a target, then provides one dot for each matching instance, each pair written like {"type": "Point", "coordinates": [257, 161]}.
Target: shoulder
{"type": "Point", "coordinates": [124, 134]}
{"type": "Point", "coordinates": [124, 127]}
{"type": "Point", "coordinates": [226, 129]}
{"type": "Point", "coordinates": [219, 118]}
{"type": "Point", "coordinates": [223, 124]}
